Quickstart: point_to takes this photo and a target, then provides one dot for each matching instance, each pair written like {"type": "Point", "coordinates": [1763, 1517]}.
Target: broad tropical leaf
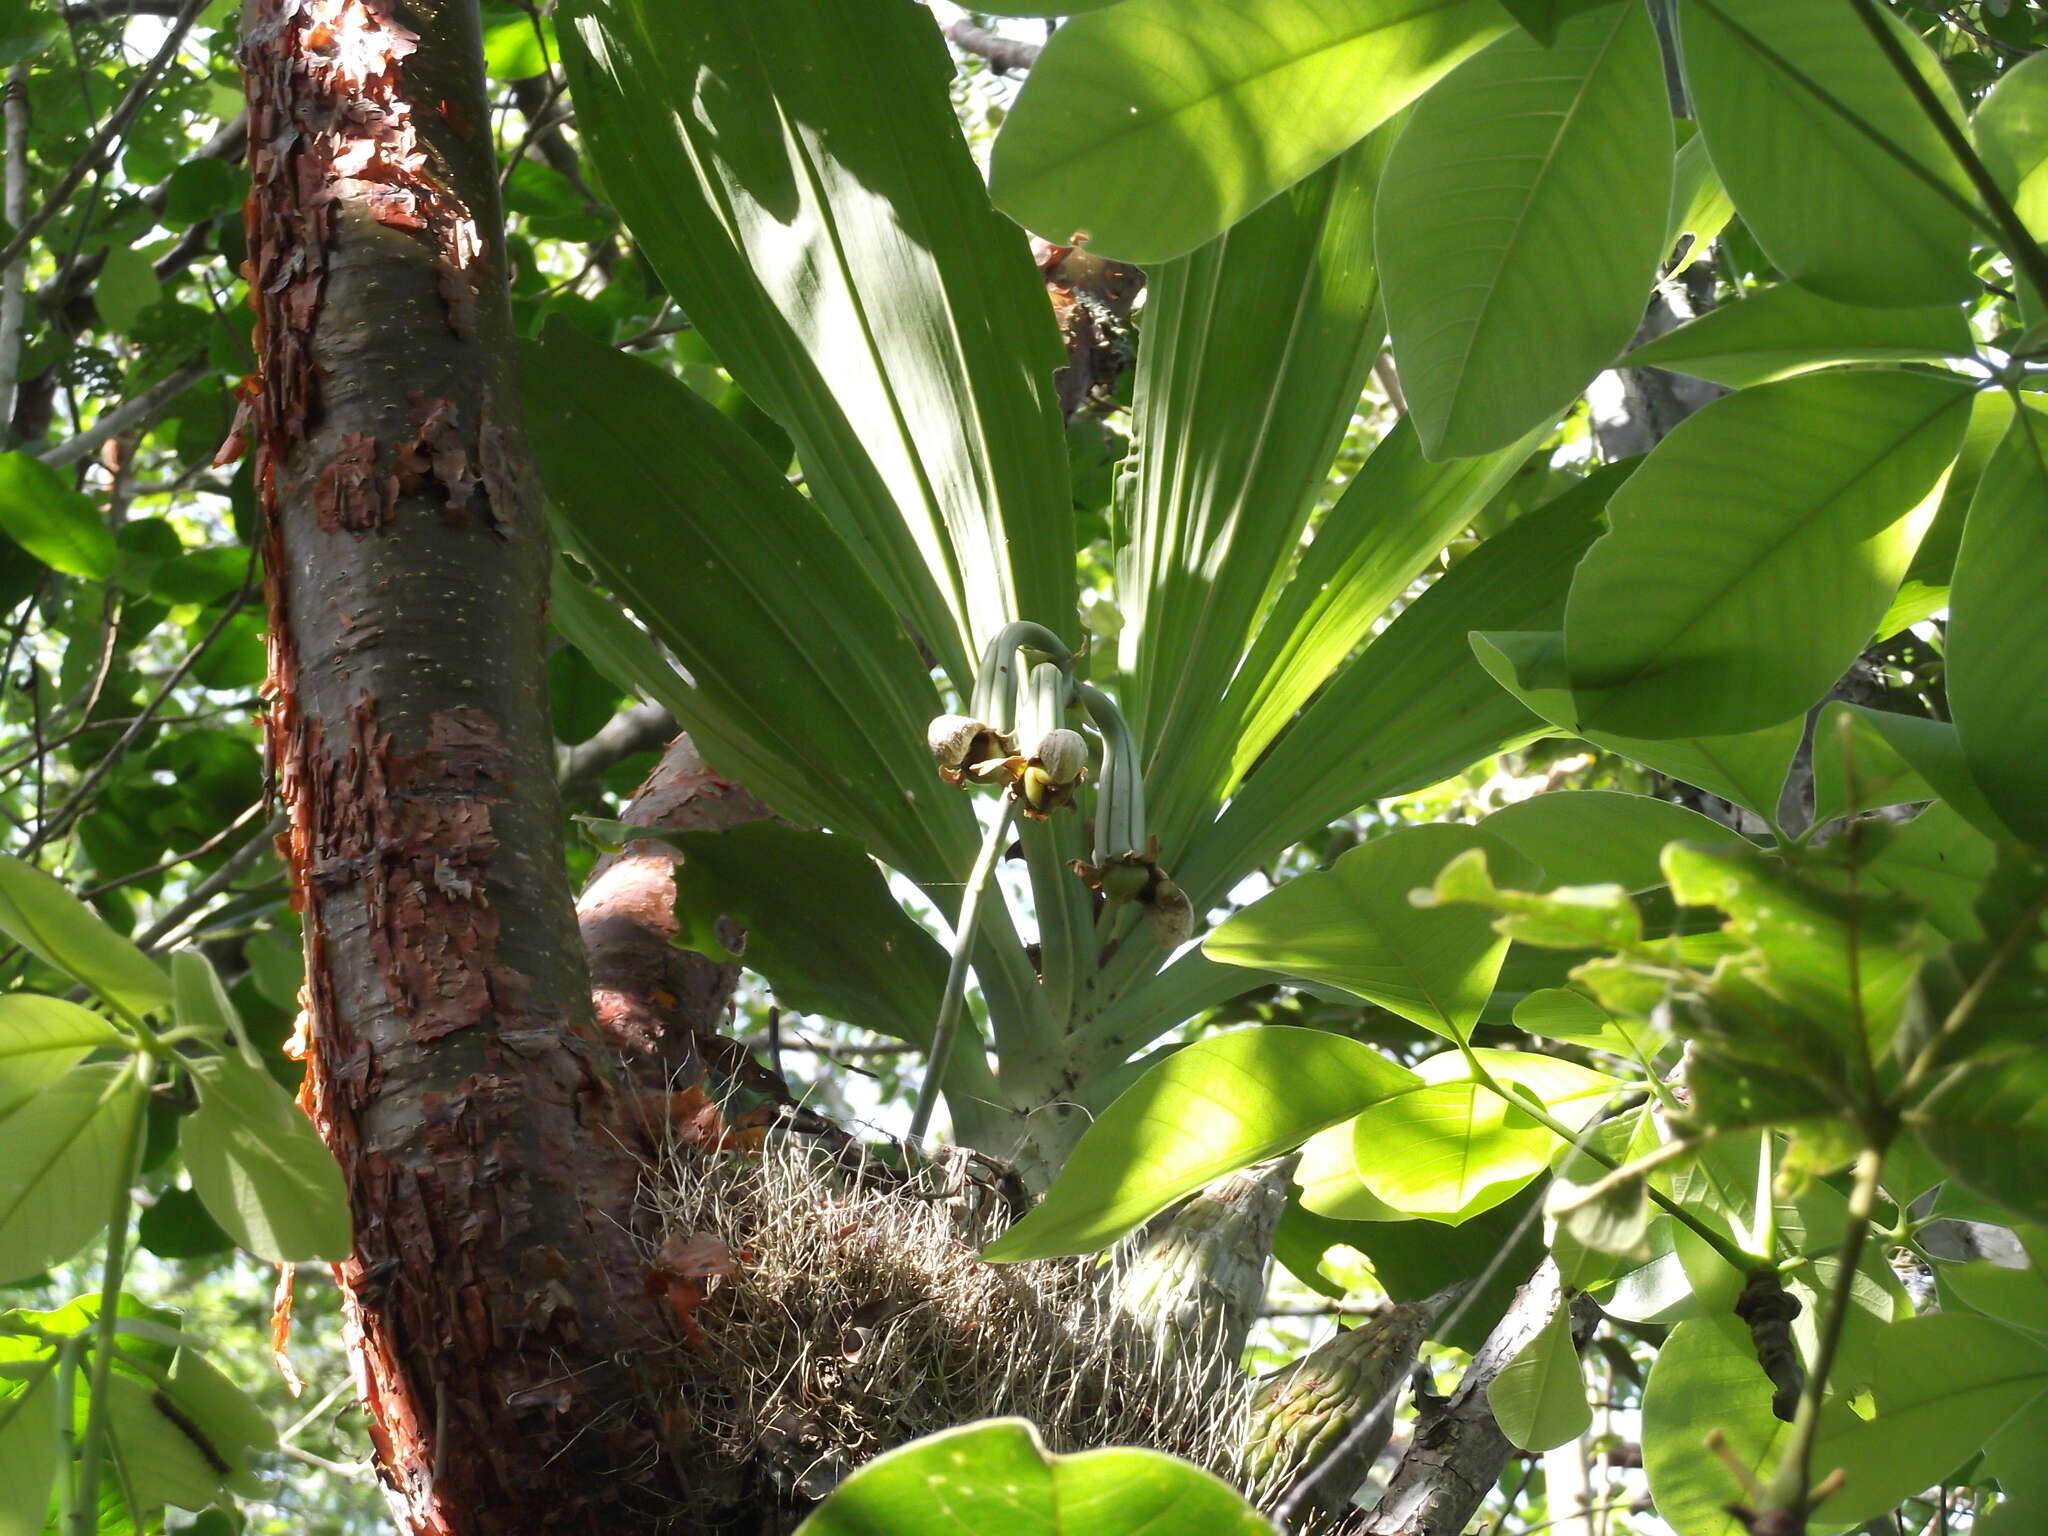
{"type": "Point", "coordinates": [1942, 1386]}
{"type": "Point", "coordinates": [42, 1038]}
{"type": "Point", "coordinates": [1753, 554]}
{"type": "Point", "coordinates": [1783, 330]}
{"type": "Point", "coordinates": [1998, 635]}
{"type": "Point", "coordinates": [1837, 172]}
{"type": "Point", "coordinates": [1592, 836]}
{"type": "Point", "coordinates": [1455, 1148]}
{"type": "Point", "coordinates": [42, 513]}
{"type": "Point", "coordinates": [1521, 221]}
{"type": "Point", "coordinates": [996, 1478]}
{"type": "Point", "coordinates": [1156, 125]}
{"type": "Point", "coordinates": [1539, 1397]}
{"type": "Point", "coordinates": [2012, 136]}
{"type": "Point", "coordinates": [803, 687]}
{"type": "Point", "coordinates": [1352, 926]}
{"type": "Point", "coordinates": [794, 171]}
{"type": "Point", "coordinates": [38, 913]}
{"type": "Point", "coordinates": [1223, 1103]}
{"type": "Point", "coordinates": [260, 1167]}
{"type": "Point", "coordinates": [1747, 769]}
{"type": "Point", "coordinates": [60, 1161]}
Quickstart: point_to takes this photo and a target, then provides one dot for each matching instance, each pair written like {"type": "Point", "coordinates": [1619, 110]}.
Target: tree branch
{"type": "Point", "coordinates": [1005, 55]}
{"type": "Point", "coordinates": [1457, 1456]}
{"type": "Point", "coordinates": [654, 1000]}
{"type": "Point", "coordinates": [135, 411]}
{"type": "Point", "coordinates": [641, 728]}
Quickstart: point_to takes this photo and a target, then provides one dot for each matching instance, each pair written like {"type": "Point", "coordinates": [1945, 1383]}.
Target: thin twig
{"type": "Point", "coordinates": [14, 203]}
{"type": "Point", "coordinates": [165, 927]}
{"type": "Point", "coordinates": [115, 126]}
{"type": "Point", "coordinates": [135, 411]}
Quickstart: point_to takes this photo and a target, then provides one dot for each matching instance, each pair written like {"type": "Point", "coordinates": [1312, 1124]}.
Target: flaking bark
{"type": "Point", "coordinates": [495, 1298]}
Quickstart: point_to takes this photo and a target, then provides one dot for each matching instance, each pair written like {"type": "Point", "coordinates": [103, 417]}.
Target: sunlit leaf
{"type": "Point", "coordinates": [1837, 171]}
{"type": "Point", "coordinates": [1539, 1397]}
{"type": "Point", "coordinates": [1521, 220]}
{"type": "Point", "coordinates": [1155, 125]}
{"type": "Point", "coordinates": [1997, 638]}
{"type": "Point", "coordinates": [38, 913]}
{"type": "Point", "coordinates": [260, 1167]}
{"type": "Point", "coordinates": [996, 1478]}
{"type": "Point", "coordinates": [1352, 926]}
{"type": "Point", "coordinates": [1223, 1103]}
{"type": "Point", "coordinates": [1784, 330]}
{"type": "Point", "coordinates": [1752, 555]}
{"type": "Point", "coordinates": [61, 1159]}
{"type": "Point", "coordinates": [42, 513]}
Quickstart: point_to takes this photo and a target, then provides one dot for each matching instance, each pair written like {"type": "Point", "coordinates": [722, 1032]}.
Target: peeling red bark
{"type": "Point", "coordinates": [496, 1301]}
{"type": "Point", "coordinates": [653, 1000]}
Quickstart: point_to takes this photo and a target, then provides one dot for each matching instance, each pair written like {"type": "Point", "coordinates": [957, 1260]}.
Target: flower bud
{"type": "Point", "coordinates": [1169, 914]}
{"type": "Point", "coordinates": [1063, 754]}
{"type": "Point", "coordinates": [962, 743]}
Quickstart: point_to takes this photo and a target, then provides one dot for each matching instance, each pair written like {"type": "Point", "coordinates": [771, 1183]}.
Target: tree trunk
{"type": "Point", "coordinates": [496, 1304]}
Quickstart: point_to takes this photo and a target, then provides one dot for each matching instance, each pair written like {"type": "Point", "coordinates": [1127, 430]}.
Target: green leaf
{"type": "Point", "coordinates": [1942, 1385]}
{"type": "Point", "coordinates": [623, 652]}
{"type": "Point", "coordinates": [178, 1227]}
{"type": "Point", "coordinates": [1558, 1013]}
{"type": "Point", "coordinates": [2018, 1297]}
{"type": "Point", "coordinates": [260, 1167]}
{"type": "Point", "coordinates": [1833, 952]}
{"type": "Point", "coordinates": [1415, 706]}
{"type": "Point", "coordinates": [1706, 1374]}
{"type": "Point", "coordinates": [1398, 513]}
{"type": "Point", "coordinates": [1157, 125]}
{"type": "Point", "coordinates": [828, 234]}
{"type": "Point", "coordinates": [157, 1457]}
{"type": "Point", "coordinates": [1541, 18]}
{"type": "Point", "coordinates": [1940, 861]}
{"type": "Point", "coordinates": [1747, 769]}
{"type": "Point", "coordinates": [1455, 1147]}
{"type": "Point", "coordinates": [1934, 562]}
{"type": "Point", "coordinates": [1256, 347]}
{"type": "Point", "coordinates": [60, 1160]}
{"type": "Point", "coordinates": [1520, 225]}
{"type": "Point", "coordinates": [2011, 129]}
{"type": "Point", "coordinates": [1699, 203]}
{"type": "Point", "coordinates": [127, 285]}
{"type": "Point", "coordinates": [803, 687]}
{"type": "Point", "coordinates": [1987, 1124]}
{"type": "Point", "coordinates": [1352, 926]}
{"type": "Point", "coordinates": [1784, 330]}
{"type": "Point", "coordinates": [996, 1478]}
{"type": "Point", "coordinates": [38, 913]}
{"type": "Point", "coordinates": [1928, 750]}
{"type": "Point", "coordinates": [1570, 917]}
{"type": "Point", "coordinates": [1998, 636]}
{"type": "Point", "coordinates": [1836, 170]}
{"type": "Point", "coordinates": [1752, 555]}
{"type": "Point", "coordinates": [1600, 836]}
{"type": "Point", "coordinates": [1222, 1103]}
{"type": "Point", "coordinates": [41, 1039]}
{"type": "Point", "coordinates": [42, 513]}
{"type": "Point", "coordinates": [1539, 1397]}
{"type": "Point", "coordinates": [28, 1443]}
